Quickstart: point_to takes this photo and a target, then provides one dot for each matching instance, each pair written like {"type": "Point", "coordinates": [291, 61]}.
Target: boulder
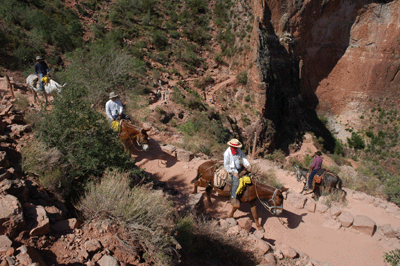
{"type": "Point", "coordinates": [262, 246]}
{"type": "Point", "coordinates": [171, 150]}
{"type": "Point", "coordinates": [40, 221]}
{"type": "Point", "coordinates": [183, 155]}
{"type": "Point", "coordinates": [16, 187]}
{"type": "Point", "coordinates": [245, 224]}
{"type": "Point", "coordinates": [310, 205]}
{"type": "Point", "coordinates": [28, 255]}
{"type": "Point", "coordinates": [107, 260]}
{"type": "Point", "coordinates": [287, 251]}
{"type": "Point", "coordinates": [5, 245]}
{"type": "Point", "coordinates": [11, 216]}
{"type": "Point", "coordinates": [93, 245]}
{"type": "Point", "coordinates": [296, 200]}
{"type": "Point", "coordinates": [332, 224]}
{"type": "Point", "coordinates": [321, 208]}
{"type": "Point", "coordinates": [364, 224]}
{"type": "Point", "coordinates": [335, 212]}
{"type": "Point", "coordinates": [233, 231]}
{"type": "Point", "coordinates": [346, 219]}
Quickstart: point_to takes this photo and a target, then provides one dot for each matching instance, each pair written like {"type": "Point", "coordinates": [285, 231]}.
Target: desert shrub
{"type": "Point", "coordinates": [338, 147]}
{"type": "Point", "coordinates": [242, 77]}
{"type": "Point", "coordinates": [100, 69]}
{"type": "Point", "coordinates": [268, 177]}
{"type": "Point", "coordinates": [21, 102]}
{"type": "Point", "coordinates": [160, 39]}
{"type": "Point", "coordinates": [392, 257]}
{"type": "Point", "coordinates": [392, 189]}
{"type": "Point", "coordinates": [276, 156]}
{"type": "Point", "coordinates": [333, 198]}
{"type": "Point", "coordinates": [204, 244]}
{"type": "Point", "coordinates": [146, 214]}
{"type": "Point", "coordinates": [356, 141]}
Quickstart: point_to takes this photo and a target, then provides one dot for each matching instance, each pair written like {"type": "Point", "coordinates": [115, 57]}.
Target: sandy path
{"type": "Point", "coordinates": [304, 230]}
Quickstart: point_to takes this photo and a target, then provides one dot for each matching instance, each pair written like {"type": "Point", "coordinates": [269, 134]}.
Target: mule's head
{"type": "Point", "coordinates": [276, 202]}
{"type": "Point", "coordinates": [143, 139]}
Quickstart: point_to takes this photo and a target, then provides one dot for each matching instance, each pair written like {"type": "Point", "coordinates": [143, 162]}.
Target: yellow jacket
{"type": "Point", "coordinates": [243, 181]}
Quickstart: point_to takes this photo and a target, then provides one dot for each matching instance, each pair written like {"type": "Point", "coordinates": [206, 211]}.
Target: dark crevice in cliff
{"type": "Point", "coordinates": [285, 106]}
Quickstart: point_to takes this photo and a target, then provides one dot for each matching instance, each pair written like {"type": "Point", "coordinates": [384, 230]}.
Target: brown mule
{"type": "Point", "coordinates": [134, 135]}
{"type": "Point", "coordinates": [254, 191]}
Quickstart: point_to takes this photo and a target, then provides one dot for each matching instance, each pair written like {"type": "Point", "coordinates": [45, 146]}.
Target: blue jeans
{"type": "Point", "coordinates": [235, 184]}
{"type": "Point", "coordinates": [40, 81]}
{"type": "Point", "coordinates": [311, 177]}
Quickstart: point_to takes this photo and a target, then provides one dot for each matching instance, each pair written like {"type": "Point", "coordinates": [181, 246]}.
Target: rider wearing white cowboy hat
{"type": "Point", "coordinates": [114, 108]}
{"type": "Point", "coordinates": [234, 161]}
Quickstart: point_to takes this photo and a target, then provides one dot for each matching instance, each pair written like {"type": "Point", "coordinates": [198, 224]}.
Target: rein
{"type": "Point", "coordinates": [208, 181]}
{"type": "Point", "coordinates": [269, 208]}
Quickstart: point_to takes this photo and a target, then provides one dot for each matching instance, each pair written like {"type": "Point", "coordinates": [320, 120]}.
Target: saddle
{"type": "Point", "coordinates": [318, 175]}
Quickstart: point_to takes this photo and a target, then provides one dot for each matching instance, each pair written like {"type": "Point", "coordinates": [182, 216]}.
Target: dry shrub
{"type": "Point", "coordinates": [146, 214]}
{"type": "Point", "coordinates": [268, 177]}
{"type": "Point", "coordinates": [21, 102]}
{"type": "Point", "coordinates": [113, 197]}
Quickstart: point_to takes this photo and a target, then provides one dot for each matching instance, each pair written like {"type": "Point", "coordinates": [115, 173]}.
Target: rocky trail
{"type": "Point", "coordinates": [358, 232]}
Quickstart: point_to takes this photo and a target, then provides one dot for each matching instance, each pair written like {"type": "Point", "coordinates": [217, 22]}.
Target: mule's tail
{"type": "Point", "coordinates": [340, 182]}
{"type": "Point", "coordinates": [344, 193]}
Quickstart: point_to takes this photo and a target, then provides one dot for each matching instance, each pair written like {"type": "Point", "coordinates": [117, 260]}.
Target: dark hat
{"type": "Point", "coordinates": [318, 153]}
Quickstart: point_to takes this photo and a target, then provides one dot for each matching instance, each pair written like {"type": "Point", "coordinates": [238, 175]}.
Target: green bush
{"type": "Point", "coordinates": [392, 189]}
{"type": "Point", "coordinates": [356, 141]}
{"type": "Point", "coordinates": [242, 77]}
{"type": "Point", "coordinates": [100, 69]}
{"type": "Point", "coordinates": [160, 39]}
{"type": "Point", "coordinates": [392, 257]}
{"type": "Point", "coordinates": [83, 137]}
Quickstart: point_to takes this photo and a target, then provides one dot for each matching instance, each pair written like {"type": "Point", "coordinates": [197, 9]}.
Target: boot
{"type": "Point", "coordinates": [235, 203]}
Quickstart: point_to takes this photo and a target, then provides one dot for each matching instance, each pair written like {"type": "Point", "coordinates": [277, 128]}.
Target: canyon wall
{"type": "Point", "coordinates": [329, 57]}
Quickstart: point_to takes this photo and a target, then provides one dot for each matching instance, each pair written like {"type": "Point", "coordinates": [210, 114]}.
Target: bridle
{"type": "Point", "coordinates": [270, 207]}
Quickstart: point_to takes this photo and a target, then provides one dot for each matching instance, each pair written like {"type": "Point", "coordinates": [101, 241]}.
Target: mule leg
{"type": "Point", "coordinates": [208, 193]}
{"type": "Point", "coordinates": [255, 216]}
{"type": "Point", "coordinates": [235, 206]}
{"type": "Point", "coordinates": [196, 184]}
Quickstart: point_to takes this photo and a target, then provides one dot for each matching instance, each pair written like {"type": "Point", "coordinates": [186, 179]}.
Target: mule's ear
{"type": "Point", "coordinates": [148, 129]}
{"type": "Point", "coordinates": [283, 189]}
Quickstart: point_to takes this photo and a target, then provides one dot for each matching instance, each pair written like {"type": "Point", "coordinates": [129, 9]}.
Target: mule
{"type": "Point", "coordinates": [134, 135]}
{"type": "Point", "coordinates": [254, 191]}
{"type": "Point", "coordinates": [330, 182]}
{"type": "Point", "coordinates": [49, 88]}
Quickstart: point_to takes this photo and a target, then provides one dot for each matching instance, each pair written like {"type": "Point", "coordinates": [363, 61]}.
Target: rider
{"type": "Point", "coordinates": [114, 108]}
{"type": "Point", "coordinates": [234, 160]}
{"type": "Point", "coordinates": [315, 166]}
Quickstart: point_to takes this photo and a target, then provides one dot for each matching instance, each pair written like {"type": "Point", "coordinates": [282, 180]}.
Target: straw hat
{"type": "Point", "coordinates": [234, 143]}
{"type": "Point", "coordinates": [113, 95]}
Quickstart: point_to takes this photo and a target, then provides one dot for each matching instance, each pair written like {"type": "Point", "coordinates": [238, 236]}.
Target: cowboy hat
{"type": "Point", "coordinates": [234, 143]}
{"type": "Point", "coordinates": [113, 95]}
{"type": "Point", "coordinates": [318, 153]}
{"type": "Point", "coordinates": [39, 58]}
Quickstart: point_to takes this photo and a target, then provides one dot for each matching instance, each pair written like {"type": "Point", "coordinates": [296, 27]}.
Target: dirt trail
{"type": "Point", "coordinates": [304, 231]}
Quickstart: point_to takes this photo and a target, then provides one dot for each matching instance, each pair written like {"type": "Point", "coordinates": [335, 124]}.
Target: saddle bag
{"type": "Point", "coordinates": [318, 176]}
{"type": "Point", "coordinates": [220, 177]}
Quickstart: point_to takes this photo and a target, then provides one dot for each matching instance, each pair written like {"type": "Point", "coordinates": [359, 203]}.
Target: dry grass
{"type": "Point", "coordinates": [146, 214]}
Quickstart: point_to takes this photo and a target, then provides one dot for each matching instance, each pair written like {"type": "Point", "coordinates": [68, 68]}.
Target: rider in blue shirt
{"type": "Point", "coordinates": [41, 70]}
